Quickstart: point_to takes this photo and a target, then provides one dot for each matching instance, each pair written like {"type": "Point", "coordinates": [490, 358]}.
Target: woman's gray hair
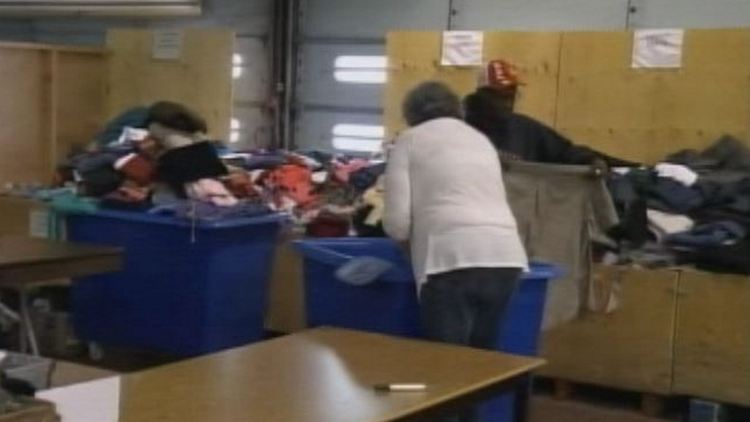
{"type": "Point", "coordinates": [430, 100]}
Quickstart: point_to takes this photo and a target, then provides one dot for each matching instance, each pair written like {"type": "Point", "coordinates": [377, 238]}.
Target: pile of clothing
{"type": "Point", "coordinates": [331, 195]}
{"type": "Point", "coordinates": [691, 209]}
{"type": "Point", "coordinates": [158, 160]}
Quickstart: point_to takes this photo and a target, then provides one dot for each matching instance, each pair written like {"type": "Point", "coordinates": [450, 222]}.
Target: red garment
{"type": "Point", "coordinates": [292, 181]}
{"type": "Point", "coordinates": [342, 171]}
{"type": "Point", "coordinates": [328, 225]}
{"type": "Point", "coordinates": [129, 194]}
{"type": "Point", "coordinates": [240, 184]}
{"type": "Point", "coordinates": [137, 168]}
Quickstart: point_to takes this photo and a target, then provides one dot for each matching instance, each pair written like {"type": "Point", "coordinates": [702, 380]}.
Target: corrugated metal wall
{"type": "Point", "coordinates": [334, 29]}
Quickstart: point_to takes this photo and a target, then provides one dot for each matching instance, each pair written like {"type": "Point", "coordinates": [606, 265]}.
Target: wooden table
{"type": "Point", "coordinates": [322, 375]}
{"type": "Point", "coordinates": [26, 262]}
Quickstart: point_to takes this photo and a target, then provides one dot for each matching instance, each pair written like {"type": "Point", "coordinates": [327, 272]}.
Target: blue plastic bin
{"type": "Point", "coordinates": [390, 304]}
{"type": "Point", "coordinates": [186, 289]}
{"type": "Point", "coordinates": [385, 306]}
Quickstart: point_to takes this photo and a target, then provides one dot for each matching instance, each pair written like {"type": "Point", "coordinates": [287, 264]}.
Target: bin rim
{"type": "Point", "coordinates": [142, 217]}
{"type": "Point", "coordinates": [539, 270]}
{"type": "Point", "coordinates": [316, 249]}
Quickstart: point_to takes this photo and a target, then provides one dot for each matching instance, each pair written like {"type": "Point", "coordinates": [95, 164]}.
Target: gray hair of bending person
{"type": "Point", "coordinates": [430, 100]}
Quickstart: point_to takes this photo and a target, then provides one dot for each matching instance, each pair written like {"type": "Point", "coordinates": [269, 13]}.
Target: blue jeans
{"type": "Point", "coordinates": [467, 307]}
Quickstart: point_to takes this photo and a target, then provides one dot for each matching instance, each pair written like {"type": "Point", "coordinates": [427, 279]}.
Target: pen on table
{"type": "Point", "coordinates": [395, 387]}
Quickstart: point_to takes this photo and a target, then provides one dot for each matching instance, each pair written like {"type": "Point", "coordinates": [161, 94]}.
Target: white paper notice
{"type": "Point", "coordinates": [658, 48]}
{"type": "Point", "coordinates": [167, 44]}
{"type": "Point", "coordinates": [39, 224]}
{"type": "Point", "coordinates": [95, 401]}
{"type": "Point", "coordinates": [462, 48]}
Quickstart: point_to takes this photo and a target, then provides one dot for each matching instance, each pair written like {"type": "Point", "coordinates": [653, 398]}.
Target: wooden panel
{"type": "Point", "coordinates": [286, 301]}
{"type": "Point", "coordinates": [630, 348]}
{"type": "Point", "coordinates": [15, 214]}
{"type": "Point", "coordinates": [200, 79]}
{"type": "Point", "coordinates": [414, 57]}
{"type": "Point", "coordinates": [712, 350]}
{"type": "Point", "coordinates": [81, 99]}
{"type": "Point", "coordinates": [24, 137]}
{"type": "Point", "coordinates": [582, 83]}
{"type": "Point", "coordinates": [647, 114]}
{"type": "Point", "coordinates": [602, 102]}
{"type": "Point", "coordinates": [48, 101]}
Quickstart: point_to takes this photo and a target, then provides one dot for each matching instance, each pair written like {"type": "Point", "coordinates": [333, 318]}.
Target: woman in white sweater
{"type": "Point", "coordinates": [444, 193]}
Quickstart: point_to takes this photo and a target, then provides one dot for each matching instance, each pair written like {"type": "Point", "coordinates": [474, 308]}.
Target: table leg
{"type": "Point", "coordinates": [28, 336]}
{"type": "Point", "coordinates": [522, 399]}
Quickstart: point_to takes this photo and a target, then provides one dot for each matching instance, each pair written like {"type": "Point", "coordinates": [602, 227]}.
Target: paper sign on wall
{"type": "Point", "coordinates": [39, 224]}
{"type": "Point", "coordinates": [462, 48]}
{"type": "Point", "coordinates": [167, 44]}
{"type": "Point", "coordinates": [658, 48]}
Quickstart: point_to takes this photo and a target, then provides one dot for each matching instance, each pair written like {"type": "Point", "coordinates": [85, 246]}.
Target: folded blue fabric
{"type": "Point", "coordinates": [210, 212]}
{"type": "Point", "coordinates": [363, 270]}
{"type": "Point", "coordinates": [721, 233]}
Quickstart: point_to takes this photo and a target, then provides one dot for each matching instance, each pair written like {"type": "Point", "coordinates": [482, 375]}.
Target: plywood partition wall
{"type": "Point", "coordinates": [582, 84]}
{"type": "Point", "coordinates": [647, 114]}
{"type": "Point", "coordinates": [51, 97]}
{"type": "Point", "coordinates": [201, 77]}
{"type": "Point", "coordinates": [80, 94]}
{"type": "Point", "coordinates": [414, 57]}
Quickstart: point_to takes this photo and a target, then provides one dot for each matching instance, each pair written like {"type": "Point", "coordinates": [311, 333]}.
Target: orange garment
{"type": "Point", "coordinates": [292, 181]}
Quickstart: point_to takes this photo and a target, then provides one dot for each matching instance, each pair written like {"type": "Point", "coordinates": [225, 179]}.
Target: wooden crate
{"type": "Point", "coordinates": [630, 348]}
{"type": "Point", "coordinates": [16, 214]}
{"type": "Point", "coordinates": [286, 290]}
{"type": "Point", "coordinates": [712, 346]}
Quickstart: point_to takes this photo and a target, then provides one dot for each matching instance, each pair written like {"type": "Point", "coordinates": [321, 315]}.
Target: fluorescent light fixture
{"type": "Point", "coordinates": [363, 131]}
{"type": "Point", "coordinates": [360, 69]}
{"type": "Point", "coordinates": [360, 76]}
{"type": "Point", "coordinates": [360, 62]}
{"type": "Point", "coordinates": [357, 144]}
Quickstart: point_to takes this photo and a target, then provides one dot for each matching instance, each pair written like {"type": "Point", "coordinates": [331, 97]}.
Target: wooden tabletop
{"type": "Point", "coordinates": [321, 375]}
{"type": "Point", "coordinates": [24, 259]}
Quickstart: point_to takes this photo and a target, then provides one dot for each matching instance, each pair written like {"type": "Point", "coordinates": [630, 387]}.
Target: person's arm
{"type": "Point", "coordinates": [397, 216]}
{"type": "Point", "coordinates": [556, 148]}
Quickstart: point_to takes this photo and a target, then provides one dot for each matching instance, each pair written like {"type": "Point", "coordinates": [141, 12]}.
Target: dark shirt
{"type": "Point", "coordinates": [527, 139]}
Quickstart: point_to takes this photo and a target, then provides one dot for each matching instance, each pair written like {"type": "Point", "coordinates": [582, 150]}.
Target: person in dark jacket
{"type": "Point", "coordinates": [517, 136]}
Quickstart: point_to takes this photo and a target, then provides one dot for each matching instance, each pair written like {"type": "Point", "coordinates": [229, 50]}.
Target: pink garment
{"type": "Point", "coordinates": [210, 190]}
{"type": "Point", "coordinates": [342, 171]}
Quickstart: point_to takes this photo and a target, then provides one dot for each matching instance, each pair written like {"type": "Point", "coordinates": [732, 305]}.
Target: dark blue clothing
{"type": "Point", "coordinates": [709, 235]}
{"type": "Point", "coordinates": [365, 178]}
{"type": "Point", "coordinates": [467, 307]}
{"type": "Point", "coordinates": [135, 117]}
{"type": "Point", "coordinates": [205, 211]}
